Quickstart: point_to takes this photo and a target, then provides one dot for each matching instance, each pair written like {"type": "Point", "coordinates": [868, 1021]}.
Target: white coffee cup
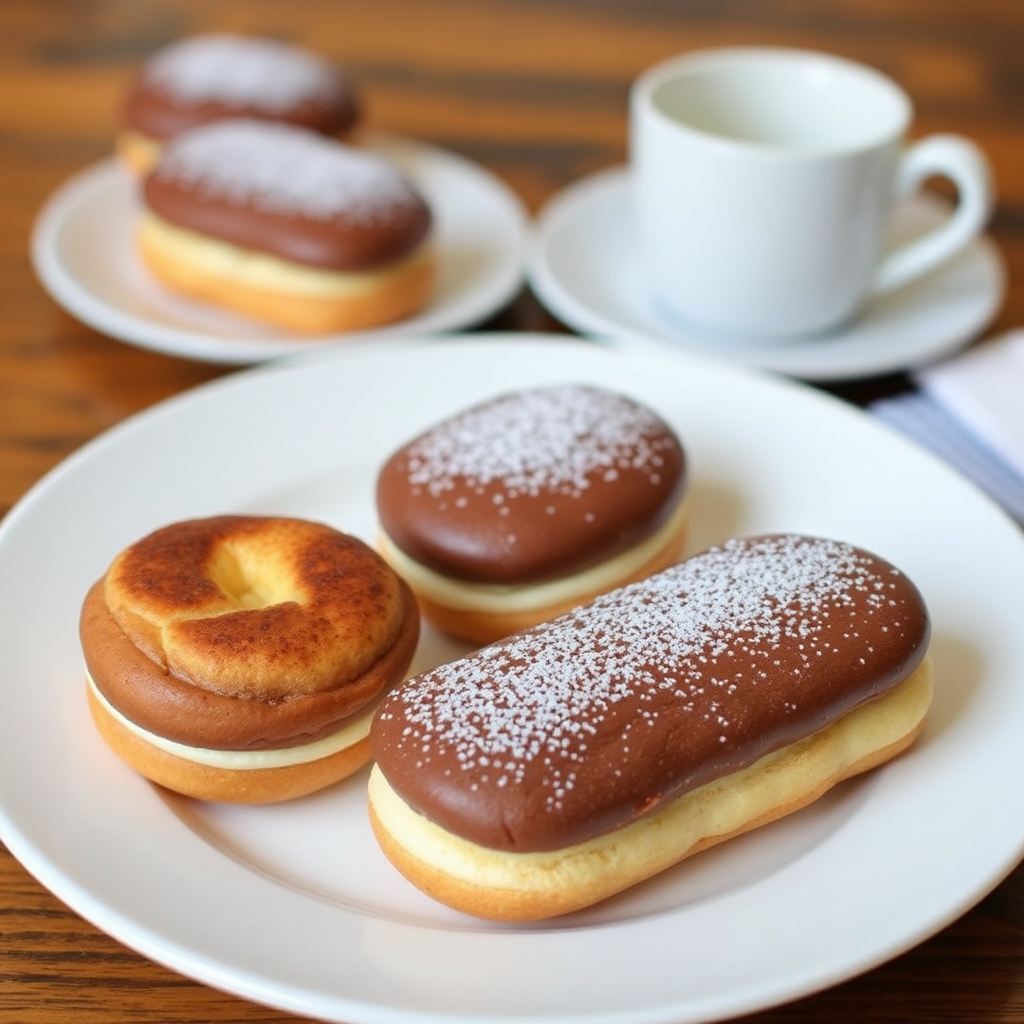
{"type": "Point", "coordinates": [765, 184]}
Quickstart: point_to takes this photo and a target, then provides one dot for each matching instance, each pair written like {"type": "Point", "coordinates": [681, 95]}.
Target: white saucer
{"type": "Point", "coordinates": [584, 266]}
{"type": "Point", "coordinates": [83, 252]}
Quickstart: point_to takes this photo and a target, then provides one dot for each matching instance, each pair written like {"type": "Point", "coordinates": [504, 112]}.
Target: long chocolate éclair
{"type": "Point", "coordinates": [570, 761]}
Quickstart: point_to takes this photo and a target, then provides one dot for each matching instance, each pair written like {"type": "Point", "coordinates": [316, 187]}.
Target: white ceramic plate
{"type": "Point", "coordinates": [294, 906]}
{"type": "Point", "coordinates": [84, 254]}
{"type": "Point", "coordinates": [585, 267]}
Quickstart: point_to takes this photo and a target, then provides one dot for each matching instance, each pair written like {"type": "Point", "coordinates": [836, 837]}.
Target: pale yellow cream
{"type": "Point", "coordinates": [221, 260]}
{"type": "Point", "coordinates": [502, 599]}
{"type": "Point", "coordinates": [786, 779]}
{"type": "Point", "coordinates": [245, 760]}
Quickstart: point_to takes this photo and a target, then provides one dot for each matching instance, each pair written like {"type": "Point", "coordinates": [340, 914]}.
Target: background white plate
{"type": "Point", "coordinates": [585, 267]}
{"type": "Point", "coordinates": [294, 906]}
{"type": "Point", "coordinates": [83, 250]}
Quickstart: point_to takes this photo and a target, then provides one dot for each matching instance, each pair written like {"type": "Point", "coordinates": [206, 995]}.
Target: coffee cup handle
{"type": "Point", "coordinates": [964, 164]}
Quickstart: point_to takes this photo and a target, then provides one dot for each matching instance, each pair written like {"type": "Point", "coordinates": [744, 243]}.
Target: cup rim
{"type": "Point", "coordinates": [651, 78]}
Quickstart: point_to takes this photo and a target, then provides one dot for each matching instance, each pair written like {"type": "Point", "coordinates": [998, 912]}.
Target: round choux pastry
{"type": "Point", "coordinates": [241, 658]}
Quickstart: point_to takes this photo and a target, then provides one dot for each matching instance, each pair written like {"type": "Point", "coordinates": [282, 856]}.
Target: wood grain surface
{"type": "Point", "coordinates": [535, 90]}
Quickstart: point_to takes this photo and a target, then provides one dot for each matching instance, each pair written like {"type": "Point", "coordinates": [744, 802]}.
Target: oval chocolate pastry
{"type": "Point", "coordinates": [552, 769]}
{"type": "Point", "coordinates": [218, 75]}
{"type": "Point", "coordinates": [519, 508]}
{"type": "Point", "coordinates": [279, 223]}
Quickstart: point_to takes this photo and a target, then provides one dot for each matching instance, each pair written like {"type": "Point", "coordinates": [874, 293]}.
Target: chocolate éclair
{"type": "Point", "coordinates": [565, 763]}
{"type": "Point", "coordinates": [289, 193]}
{"type": "Point", "coordinates": [282, 224]}
{"type": "Point", "coordinates": [215, 76]}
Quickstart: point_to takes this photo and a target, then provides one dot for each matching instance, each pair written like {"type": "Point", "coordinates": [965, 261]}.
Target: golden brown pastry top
{"type": "Point", "coordinates": [242, 631]}
{"type": "Point", "coordinates": [532, 485]}
{"type": "Point", "coordinates": [583, 724]}
{"type": "Point", "coordinates": [219, 75]}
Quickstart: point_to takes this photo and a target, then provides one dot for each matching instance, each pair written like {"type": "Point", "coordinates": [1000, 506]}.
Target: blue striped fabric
{"type": "Point", "coordinates": [928, 422]}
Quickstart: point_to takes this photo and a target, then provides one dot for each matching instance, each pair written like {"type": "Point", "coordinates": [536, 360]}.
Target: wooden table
{"type": "Point", "coordinates": [537, 93]}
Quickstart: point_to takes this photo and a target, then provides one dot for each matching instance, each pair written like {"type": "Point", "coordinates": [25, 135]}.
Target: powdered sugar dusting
{"type": "Point", "coordinates": [707, 633]}
{"type": "Point", "coordinates": [281, 169]}
{"type": "Point", "coordinates": [546, 439]}
{"type": "Point", "coordinates": [259, 74]}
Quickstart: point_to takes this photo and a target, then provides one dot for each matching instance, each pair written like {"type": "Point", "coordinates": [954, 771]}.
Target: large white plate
{"type": "Point", "coordinates": [294, 906]}
{"type": "Point", "coordinates": [585, 266]}
{"type": "Point", "coordinates": [83, 251]}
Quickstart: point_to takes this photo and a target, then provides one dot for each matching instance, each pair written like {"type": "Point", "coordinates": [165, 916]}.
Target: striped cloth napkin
{"type": "Point", "coordinates": [970, 411]}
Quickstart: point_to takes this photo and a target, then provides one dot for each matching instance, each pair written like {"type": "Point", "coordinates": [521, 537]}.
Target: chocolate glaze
{"type": "Point", "coordinates": [212, 77]}
{"type": "Point", "coordinates": [532, 485]}
{"type": "Point", "coordinates": [290, 193]}
{"type": "Point", "coordinates": [169, 569]}
{"type": "Point", "coordinates": [584, 724]}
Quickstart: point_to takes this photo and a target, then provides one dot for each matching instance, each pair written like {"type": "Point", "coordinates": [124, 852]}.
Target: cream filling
{"type": "Point", "coordinates": [139, 151]}
{"type": "Point", "coordinates": [499, 598]}
{"type": "Point", "coordinates": [245, 760]}
{"type": "Point", "coordinates": [786, 778]}
{"type": "Point", "coordinates": [214, 258]}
